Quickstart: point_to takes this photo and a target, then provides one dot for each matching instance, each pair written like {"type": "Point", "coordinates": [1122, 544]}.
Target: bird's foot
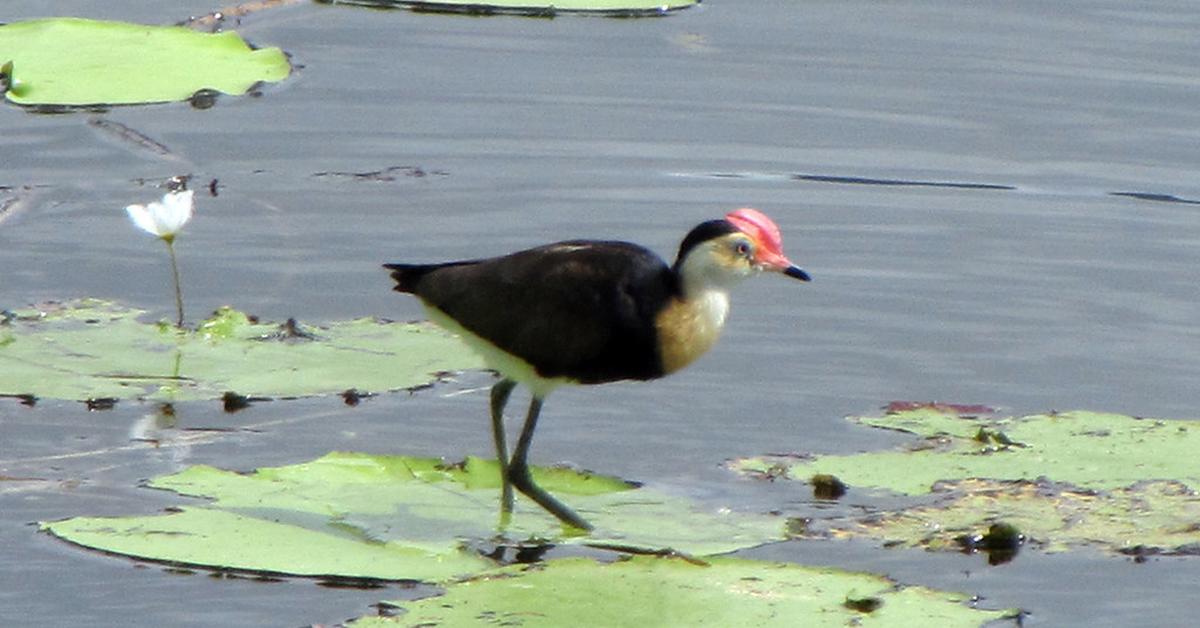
{"type": "Point", "coordinates": [521, 478]}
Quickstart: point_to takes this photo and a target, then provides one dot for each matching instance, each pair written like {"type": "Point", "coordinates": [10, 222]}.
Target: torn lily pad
{"type": "Point", "coordinates": [1064, 479]}
{"type": "Point", "coordinates": [408, 506]}
{"type": "Point", "coordinates": [91, 349]}
{"type": "Point", "coordinates": [1159, 518]}
{"type": "Point", "coordinates": [646, 591]}
{"type": "Point", "coordinates": [75, 62]}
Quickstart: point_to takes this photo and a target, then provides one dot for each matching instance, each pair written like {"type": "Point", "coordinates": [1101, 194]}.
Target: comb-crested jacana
{"type": "Point", "coordinates": [590, 312]}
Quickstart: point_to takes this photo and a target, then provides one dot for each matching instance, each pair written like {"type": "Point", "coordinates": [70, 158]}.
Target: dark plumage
{"type": "Point", "coordinates": [702, 232]}
{"type": "Point", "coordinates": [579, 309]}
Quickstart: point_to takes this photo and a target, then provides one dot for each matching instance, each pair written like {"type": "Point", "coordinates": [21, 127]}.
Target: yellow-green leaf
{"type": "Point", "coordinates": [96, 349]}
{"type": "Point", "coordinates": [647, 591]}
{"type": "Point", "coordinates": [74, 62]}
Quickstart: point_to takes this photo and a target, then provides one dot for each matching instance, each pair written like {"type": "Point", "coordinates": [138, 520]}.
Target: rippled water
{"type": "Point", "coordinates": [998, 203]}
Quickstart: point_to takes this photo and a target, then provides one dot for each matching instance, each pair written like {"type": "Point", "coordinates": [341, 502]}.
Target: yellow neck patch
{"type": "Point", "coordinates": [687, 328]}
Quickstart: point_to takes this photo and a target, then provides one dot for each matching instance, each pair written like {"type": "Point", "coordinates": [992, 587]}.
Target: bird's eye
{"type": "Point", "coordinates": [744, 248]}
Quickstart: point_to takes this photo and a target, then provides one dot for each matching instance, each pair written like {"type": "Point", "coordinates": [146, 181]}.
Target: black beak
{"type": "Point", "coordinates": [798, 273]}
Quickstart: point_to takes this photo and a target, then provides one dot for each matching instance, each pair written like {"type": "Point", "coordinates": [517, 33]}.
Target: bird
{"type": "Point", "coordinates": [590, 312]}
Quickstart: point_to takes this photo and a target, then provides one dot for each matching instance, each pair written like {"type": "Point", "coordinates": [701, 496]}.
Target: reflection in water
{"type": "Point", "coordinates": [1001, 543]}
{"type": "Point", "coordinates": [161, 429]}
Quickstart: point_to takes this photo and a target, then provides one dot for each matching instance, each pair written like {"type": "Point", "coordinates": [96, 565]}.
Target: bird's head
{"type": "Point", "coordinates": [719, 253]}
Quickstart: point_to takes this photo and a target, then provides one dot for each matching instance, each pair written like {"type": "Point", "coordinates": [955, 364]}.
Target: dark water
{"type": "Point", "coordinates": [998, 204]}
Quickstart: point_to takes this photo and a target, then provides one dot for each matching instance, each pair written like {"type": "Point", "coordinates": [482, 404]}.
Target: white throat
{"type": "Point", "coordinates": [701, 272]}
{"type": "Point", "coordinates": [712, 308]}
{"type": "Point", "coordinates": [705, 286]}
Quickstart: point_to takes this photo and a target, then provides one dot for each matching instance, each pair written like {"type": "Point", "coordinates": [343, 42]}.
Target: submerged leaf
{"type": "Point", "coordinates": [73, 61]}
{"type": "Point", "coordinates": [1153, 517]}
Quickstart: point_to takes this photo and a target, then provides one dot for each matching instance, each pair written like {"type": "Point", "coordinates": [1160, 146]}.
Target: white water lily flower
{"type": "Point", "coordinates": [164, 219]}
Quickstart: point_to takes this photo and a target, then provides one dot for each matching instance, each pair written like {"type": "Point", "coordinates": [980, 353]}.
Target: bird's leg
{"type": "Point", "coordinates": [519, 475]}
{"type": "Point", "coordinates": [500, 393]}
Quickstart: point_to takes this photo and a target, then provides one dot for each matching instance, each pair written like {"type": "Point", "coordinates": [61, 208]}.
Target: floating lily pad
{"type": "Point", "coordinates": [1150, 517]}
{"type": "Point", "coordinates": [418, 512]}
{"type": "Point", "coordinates": [535, 8]}
{"type": "Point", "coordinates": [645, 591]}
{"type": "Point", "coordinates": [96, 349]}
{"type": "Point", "coordinates": [1063, 479]}
{"type": "Point", "coordinates": [227, 540]}
{"type": "Point", "coordinates": [74, 62]}
{"type": "Point", "coordinates": [1087, 449]}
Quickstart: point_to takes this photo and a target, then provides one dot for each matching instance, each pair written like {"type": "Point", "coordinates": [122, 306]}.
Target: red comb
{"type": "Point", "coordinates": [758, 226]}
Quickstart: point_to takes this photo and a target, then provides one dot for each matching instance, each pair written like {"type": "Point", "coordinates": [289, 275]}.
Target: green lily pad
{"type": "Point", "coordinates": [1063, 479]}
{"type": "Point", "coordinates": [1087, 449]}
{"type": "Point", "coordinates": [1145, 518]}
{"type": "Point", "coordinates": [645, 591]}
{"type": "Point", "coordinates": [74, 62]}
{"type": "Point", "coordinates": [535, 8]}
{"type": "Point", "coordinates": [223, 539]}
{"type": "Point", "coordinates": [408, 506]}
{"type": "Point", "coordinates": [93, 349]}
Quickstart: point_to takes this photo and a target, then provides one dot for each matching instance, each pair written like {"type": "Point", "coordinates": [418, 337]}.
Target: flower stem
{"type": "Point", "coordinates": [178, 290]}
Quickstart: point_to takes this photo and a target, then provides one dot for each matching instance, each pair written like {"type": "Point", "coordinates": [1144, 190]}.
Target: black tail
{"type": "Point", "coordinates": [407, 276]}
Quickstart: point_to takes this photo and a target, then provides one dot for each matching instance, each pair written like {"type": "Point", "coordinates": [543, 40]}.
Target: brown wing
{"type": "Point", "coordinates": [581, 309]}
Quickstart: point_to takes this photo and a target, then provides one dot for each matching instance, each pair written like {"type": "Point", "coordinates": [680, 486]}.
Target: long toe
{"type": "Point", "coordinates": [521, 478]}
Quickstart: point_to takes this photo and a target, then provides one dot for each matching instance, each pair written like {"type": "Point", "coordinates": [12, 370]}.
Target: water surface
{"type": "Point", "coordinates": [997, 203]}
